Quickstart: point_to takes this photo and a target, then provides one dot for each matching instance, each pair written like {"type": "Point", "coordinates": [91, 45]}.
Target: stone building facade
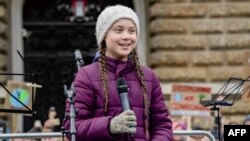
{"type": "Point", "coordinates": [4, 38]}
{"type": "Point", "coordinates": [201, 41]}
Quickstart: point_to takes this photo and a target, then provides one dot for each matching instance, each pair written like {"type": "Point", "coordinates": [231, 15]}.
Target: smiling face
{"type": "Point", "coordinates": [121, 39]}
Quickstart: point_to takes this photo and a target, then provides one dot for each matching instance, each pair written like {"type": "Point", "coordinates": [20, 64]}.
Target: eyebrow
{"type": "Point", "coordinates": [123, 26]}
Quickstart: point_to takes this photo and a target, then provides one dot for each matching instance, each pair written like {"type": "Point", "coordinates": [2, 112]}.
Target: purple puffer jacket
{"type": "Point", "coordinates": [92, 124]}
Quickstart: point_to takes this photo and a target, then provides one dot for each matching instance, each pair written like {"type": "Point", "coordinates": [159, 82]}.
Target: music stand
{"type": "Point", "coordinates": [221, 98]}
{"type": "Point", "coordinates": [28, 111]}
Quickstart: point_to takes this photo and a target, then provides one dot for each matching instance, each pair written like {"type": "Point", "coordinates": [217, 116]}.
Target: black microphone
{"type": "Point", "coordinates": [122, 89]}
{"type": "Point", "coordinates": [78, 59]}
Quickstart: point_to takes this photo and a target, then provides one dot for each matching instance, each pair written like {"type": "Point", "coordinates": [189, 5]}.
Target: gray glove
{"type": "Point", "coordinates": [123, 123]}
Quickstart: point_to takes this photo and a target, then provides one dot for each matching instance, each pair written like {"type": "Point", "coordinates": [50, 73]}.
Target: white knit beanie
{"type": "Point", "coordinates": [109, 16]}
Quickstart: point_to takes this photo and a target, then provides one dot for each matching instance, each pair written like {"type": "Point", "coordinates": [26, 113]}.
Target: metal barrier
{"type": "Point", "coordinates": [59, 134]}
{"type": "Point", "coordinates": [30, 135]}
{"type": "Point", "coordinates": [195, 132]}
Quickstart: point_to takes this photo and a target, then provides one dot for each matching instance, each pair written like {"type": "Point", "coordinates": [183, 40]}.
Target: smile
{"type": "Point", "coordinates": [124, 45]}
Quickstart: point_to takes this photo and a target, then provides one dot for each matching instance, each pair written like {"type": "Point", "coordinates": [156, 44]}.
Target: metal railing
{"type": "Point", "coordinates": [31, 135]}
{"type": "Point", "coordinates": [59, 134]}
{"type": "Point", "coordinates": [195, 133]}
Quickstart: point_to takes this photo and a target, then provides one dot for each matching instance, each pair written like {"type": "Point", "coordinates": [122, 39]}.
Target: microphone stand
{"type": "Point", "coordinates": [70, 95]}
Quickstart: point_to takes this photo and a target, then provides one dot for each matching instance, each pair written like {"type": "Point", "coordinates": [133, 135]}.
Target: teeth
{"type": "Point", "coordinates": [124, 45]}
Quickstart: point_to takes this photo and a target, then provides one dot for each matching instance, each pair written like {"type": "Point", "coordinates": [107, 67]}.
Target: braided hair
{"type": "Point", "coordinates": [104, 77]}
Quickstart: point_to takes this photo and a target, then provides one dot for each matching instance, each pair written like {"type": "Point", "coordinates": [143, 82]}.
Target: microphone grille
{"type": "Point", "coordinates": [78, 54]}
{"type": "Point", "coordinates": [121, 85]}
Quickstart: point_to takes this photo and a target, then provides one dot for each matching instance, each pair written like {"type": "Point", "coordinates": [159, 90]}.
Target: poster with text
{"type": "Point", "coordinates": [185, 99]}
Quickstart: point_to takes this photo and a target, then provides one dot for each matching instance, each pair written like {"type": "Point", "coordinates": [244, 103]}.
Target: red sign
{"type": "Point", "coordinates": [185, 100]}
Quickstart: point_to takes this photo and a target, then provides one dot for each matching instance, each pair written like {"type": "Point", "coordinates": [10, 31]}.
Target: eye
{"type": "Point", "coordinates": [118, 30]}
{"type": "Point", "coordinates": [132, 31]}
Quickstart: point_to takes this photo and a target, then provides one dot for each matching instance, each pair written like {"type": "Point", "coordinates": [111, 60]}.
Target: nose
{"type": "Point", "coordinates": [125, 35]}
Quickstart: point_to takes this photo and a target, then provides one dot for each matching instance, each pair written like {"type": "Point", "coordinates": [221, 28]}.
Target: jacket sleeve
{"type": "Point", "coordinates": [87, 126]}
{"type": "Point", "coordinates": [160, 125]}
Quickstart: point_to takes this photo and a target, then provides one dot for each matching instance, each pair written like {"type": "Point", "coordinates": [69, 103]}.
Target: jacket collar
{"type": "Point", "coordinates": [120, 68]}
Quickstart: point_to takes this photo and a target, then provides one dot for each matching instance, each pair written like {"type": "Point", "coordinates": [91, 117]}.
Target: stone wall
{"type": "Point", "coordinates": [200, 41]}
{"type": "Point", "coordinates": [3, 39]}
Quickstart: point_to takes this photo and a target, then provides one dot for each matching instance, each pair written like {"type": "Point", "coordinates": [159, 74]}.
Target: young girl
{"type": "Point", "coordinates": [100, 116]}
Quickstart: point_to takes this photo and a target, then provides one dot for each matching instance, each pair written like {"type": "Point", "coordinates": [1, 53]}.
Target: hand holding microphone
{"type": "Point", "coordinates": [123, 123]}
{"type": "Point", "coordinates": [126, 121]}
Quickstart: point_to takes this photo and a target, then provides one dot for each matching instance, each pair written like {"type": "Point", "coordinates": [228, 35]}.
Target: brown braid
{"type": "Point", "coordinates": [141, 78]}
{"type": "Point", "coordinates": [102, 68]}
{"type": "Point", "coordinates": [104, 77]}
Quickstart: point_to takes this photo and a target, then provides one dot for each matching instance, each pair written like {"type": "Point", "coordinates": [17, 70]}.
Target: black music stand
{"type": "Point", "coordinates": [232, 88]}
{"type": "Point", "coordinates": [28, 110]}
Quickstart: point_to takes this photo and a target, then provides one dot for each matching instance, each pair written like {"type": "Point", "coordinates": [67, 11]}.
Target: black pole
{"type": "Point", "coordinates": [219, 123]}
{"type": "Point", "coordinates": [70, 95]}
{"type": "Point", "coordinates": [217, 109]}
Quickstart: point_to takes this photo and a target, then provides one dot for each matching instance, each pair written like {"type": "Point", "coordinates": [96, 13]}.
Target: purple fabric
{"type": "Point", "coordinates": [92, 124]}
